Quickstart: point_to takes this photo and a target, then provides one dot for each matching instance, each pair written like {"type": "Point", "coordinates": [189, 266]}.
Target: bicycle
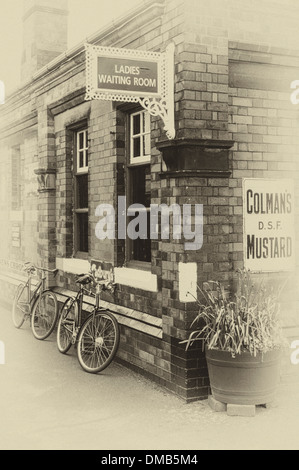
{"type": "Point", "coordinates": [40, 306]}
{"type": "Point", "coordinates": [97, 338]}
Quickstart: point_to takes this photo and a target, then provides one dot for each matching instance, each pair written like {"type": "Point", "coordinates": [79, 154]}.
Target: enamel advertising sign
{"type": "Point", "coordinates": [269, 232]}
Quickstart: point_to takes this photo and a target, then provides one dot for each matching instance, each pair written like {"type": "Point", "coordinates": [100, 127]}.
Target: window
{"type": "Point", "coordinates": [81, 193]}
{"type": "Point", "coordinates": [16, 178]}
{"type": "Point", "coordinates": [139, 182]}
{"type": "Point", "coordinates": [82, 151]}
{"type": "Point", "coordinates": [140, 138]}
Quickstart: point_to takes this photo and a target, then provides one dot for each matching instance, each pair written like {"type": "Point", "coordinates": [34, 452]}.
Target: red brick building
{"type": "Point", "coordinates": [61, 156]}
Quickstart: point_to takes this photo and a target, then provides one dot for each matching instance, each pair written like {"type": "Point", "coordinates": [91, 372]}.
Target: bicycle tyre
{"type": "Point", "coordinates": [18, 315]}
{"type": "Point", "coordinates": [98, 341]}
{"type": "Point", "coordinates": [65, 327]}
{"type": "Point", "coordinates": [44, 315]}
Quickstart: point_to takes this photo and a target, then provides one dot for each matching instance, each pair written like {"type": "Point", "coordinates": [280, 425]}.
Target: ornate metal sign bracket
{"type": "Point", "coordinates": [164, 107]}
{"type": "Point", "coordinates": [154, 92]}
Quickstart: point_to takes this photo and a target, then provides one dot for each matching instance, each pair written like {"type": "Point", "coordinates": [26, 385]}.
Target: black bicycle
{"type": "Point", "coordinates": [39, 306]}
{"type": "Point", "coordinates": [96, 338]}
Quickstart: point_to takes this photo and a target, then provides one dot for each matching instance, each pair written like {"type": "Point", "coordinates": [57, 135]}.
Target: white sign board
{"type": "Point", "coordinates": [134, 76]}
{"type": "Point", "coordinates": [269, 224]}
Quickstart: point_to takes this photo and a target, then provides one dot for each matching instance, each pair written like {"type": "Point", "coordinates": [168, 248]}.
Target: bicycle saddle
{"type": "Point", "coordinates": [84, 279]}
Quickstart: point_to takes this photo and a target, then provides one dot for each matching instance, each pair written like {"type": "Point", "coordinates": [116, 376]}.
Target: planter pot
{"type": "Point", "coordinates": [245, 379]}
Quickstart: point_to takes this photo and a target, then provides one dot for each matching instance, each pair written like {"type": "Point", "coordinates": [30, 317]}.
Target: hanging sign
{"type": "Point", "coordinates": [130, 75]}
{"type": "Point", "coordinates": [269, 233]}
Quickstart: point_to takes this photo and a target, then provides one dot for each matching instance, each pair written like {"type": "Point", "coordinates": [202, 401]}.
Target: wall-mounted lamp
{"type": "Point", "coordinates": [46, 179]}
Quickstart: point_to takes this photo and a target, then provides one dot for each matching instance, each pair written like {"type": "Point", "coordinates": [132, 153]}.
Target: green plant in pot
{"type": "Point", "coordinates": [243, 339]}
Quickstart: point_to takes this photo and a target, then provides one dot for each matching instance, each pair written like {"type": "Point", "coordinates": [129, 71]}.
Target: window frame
{"type": "Point", "coordinates": [82, 169]}
{"type": "Point", "coordinates": [143, 158]}
{"type": "Point", "coordinates": [133, 162]}
{"type": "Point", "coordinates": [79, 171]}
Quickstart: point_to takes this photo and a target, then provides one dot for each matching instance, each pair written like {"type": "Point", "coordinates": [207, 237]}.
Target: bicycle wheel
{"type": "Point", "coordinates": [98, 341]}
{"type": "Point", "coordinates": [66, 325]}
{"type": "Point", "coordinates": [20, 306]}
{"type": "Point", "coordinates": [44, 315]}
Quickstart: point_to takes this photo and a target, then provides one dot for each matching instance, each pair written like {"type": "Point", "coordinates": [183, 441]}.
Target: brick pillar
{"type": "Point", "coordinates": [196, 170]}
{"type": "Point", "coordinates": [46, 174]}
{"type": "Point", "coordinates": [202, 72]}
{"type": "Point", "coordinates": [64, 193]}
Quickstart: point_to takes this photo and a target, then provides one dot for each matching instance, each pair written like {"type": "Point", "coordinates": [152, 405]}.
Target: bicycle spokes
{"type": "Point", "coordinates": [24, 307]}
{"type": "Point", "coordinates": [99, 337]}
{"type": "Point", "coordinates": [98, 342]}
{"type": "Point", "coordinates": [44, 315]}
{"type": "Point", "coordinates": [66, 330]}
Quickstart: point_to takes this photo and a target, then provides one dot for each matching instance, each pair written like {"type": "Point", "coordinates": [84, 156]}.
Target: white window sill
{"type": "Point", "coordinates": [73, 265]}
{"type": "Point", "coordinates": [136, 278]}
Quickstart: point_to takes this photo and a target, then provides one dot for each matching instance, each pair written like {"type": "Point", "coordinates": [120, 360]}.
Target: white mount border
{"type": "Point", "coordinates": [157, 104]}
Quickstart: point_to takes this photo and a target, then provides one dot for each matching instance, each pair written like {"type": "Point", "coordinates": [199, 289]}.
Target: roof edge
{"type": "Point", "coordinates": [111, 27]}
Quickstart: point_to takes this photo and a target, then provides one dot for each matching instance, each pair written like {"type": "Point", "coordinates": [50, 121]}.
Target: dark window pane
{"type": "Point", "coordinates": [141, 185]}
{"type": "Point", "coordinates": [141, 249]}
{"type": "Point", "coordinates": [86, 158]}
{"type": "Point", "coordinates": [82, 192]}
{"type": "Point", "coordinates": [136, 124]}
{"type": "Point", "coordinates": [136, 147]}
{"type": "Point", "coordinates": [81, 159]}
{"type": "Point", "coordinates": [141, 194]}
{"type": "Point", "coordinates": [81, 140]}
{"type": "Point", "coordinates": [82, 227]}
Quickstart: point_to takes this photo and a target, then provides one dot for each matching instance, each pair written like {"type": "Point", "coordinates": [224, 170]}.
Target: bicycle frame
{"type": "Point", "coordinates": [31, 295]}
{"type": "Point", "coordinates": [36, 303]}
{"type": "Point", "coordinates": [97, 336]}
{"type": "Point", "coordinates": [79, 300]}
{"type": "Point", "coordinates": [96, 305]}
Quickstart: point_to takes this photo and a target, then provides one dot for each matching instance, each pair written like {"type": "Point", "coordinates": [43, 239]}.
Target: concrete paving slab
{"type": "Point", "coordinates": [48, 402]}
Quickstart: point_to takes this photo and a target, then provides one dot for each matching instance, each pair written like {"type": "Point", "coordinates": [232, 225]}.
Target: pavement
{"type": "Point", "coordinates": [47, 402]}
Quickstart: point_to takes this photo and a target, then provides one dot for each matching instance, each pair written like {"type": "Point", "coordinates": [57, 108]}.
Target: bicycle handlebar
{"type": "Point", "coordinates": [30, 267]}
{"type": "Point", "coordinates": [53, 271]}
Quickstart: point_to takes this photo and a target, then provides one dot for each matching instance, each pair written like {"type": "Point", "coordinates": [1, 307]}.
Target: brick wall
{"type": "Point", "coordinates": [233, 120]}
{"type": "Point", "coordinates": [264, 124]}
{"type": "Point", "coordinates": [18, 210]}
